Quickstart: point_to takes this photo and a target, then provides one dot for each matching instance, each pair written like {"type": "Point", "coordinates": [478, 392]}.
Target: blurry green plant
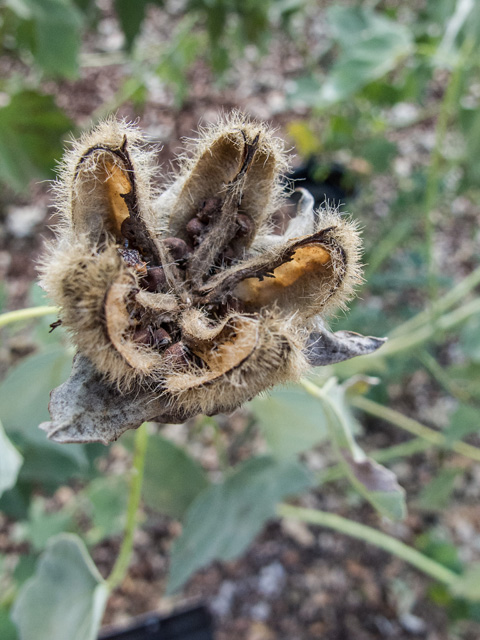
{"type": "Point", "coordinates": [43, 39]}
{"type": "Point", "coordinates": [380, 63]}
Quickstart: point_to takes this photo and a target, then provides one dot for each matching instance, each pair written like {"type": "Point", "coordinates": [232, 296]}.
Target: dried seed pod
{"type": "Point", "coordinates": [187, 302]}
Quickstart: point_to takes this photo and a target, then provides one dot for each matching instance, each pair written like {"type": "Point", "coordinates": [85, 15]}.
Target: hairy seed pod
{"type": "Point", "coordinates": [185, 302]}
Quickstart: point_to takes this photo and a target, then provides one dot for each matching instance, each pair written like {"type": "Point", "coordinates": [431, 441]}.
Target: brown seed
{"type": "Point", "coordinates": [195, 228]}
{"type": "Point", "coordinates": [177, 247]}
{"type": "Point", "coordinates": [177, 355]}
{"type": "Point", "coordinates": [155, 279]}
{"type": "Point", "coordinates": [209, 209]}
{"type": "Point", "coordinates": [245, 225]}
{"type": "Point", "coordinates": [227, 255]}
{"type": "Point", "coordinates": [142, 336]}
{"type": "Point", "coordinates": [161, 338]}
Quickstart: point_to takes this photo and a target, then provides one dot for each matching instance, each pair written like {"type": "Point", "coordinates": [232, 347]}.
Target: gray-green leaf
{"type": "Point", "coordinates": [10, 462]}
{"type": "Point", "coordinates": [65, 598]}
{"type": "Point", "coordinates": [172, 479]}
{"type": "Point", "coordinates": [372, 480]}
{"type": "Point", "coordinates": [32, 132]}
{"type": "Point", "coordinates": [58, 26]}
{"type": "Point", "coordinates": [371, 44]}
{"type": "Point", "coordinates": [225, 518]}
{"type": "Point", "coordinates": [291, 421]}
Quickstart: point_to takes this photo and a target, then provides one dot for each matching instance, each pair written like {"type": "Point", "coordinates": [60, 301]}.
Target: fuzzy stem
{"type": "Point", "coordinates": [120, 568]}
{"type": "Point", "coordinates": [372, 536]}
{"type": "Point", "coordinates": [26, 314]}
{"type": "Point", "coordinates": [414, 427]}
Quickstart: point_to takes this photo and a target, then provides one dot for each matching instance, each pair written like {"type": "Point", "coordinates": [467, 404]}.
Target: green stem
{"type": "Point", "coordinates": [120, 568]}
{"type": "Point", "coordinates": [440, 375]}
{"type": "Point", "coordinates": [414, 427]}
{"type": "Point", "coordinates": [26, 314]}
{"type": "Point", "coordinates": [433, 177]}
{"type": "Point", "coordinates": [416, 445]}
{"type": "Point", "coordinates": [340, 435]}
{"type": "Point", "coordinates": [446, 302]}
{"type": "Point", "coordinates": [427, 332]}
{"type": "Point", "coordinates": [407, 341]}
{"type": "Point", "coordinates": [372, 536]}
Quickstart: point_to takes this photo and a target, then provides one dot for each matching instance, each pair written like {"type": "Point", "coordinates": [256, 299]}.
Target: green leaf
{"type": "Point", "coordinates": [464, 421]}
{"type": "Point", "coordinates": [371, 44]}
{"type": "Point", "coordinates": [379, 152]}
{"type": "Point", "coordinates": [225, 518]}
{"type": "Point", "coordinates": [435, 496]}
{"type": "Point", "coordinates": [305, 140]}
{"type": "Point", "coordinates": [24, 397]}
{"type": "Point", "coordinates": [291, 421]}
{"type": "Point", "coordinates": [65, 598]}
{"type": "Point", "coordinates": [130, 15]}
{"type": "Point", "coordinates": [10, 462]}
{"type": "Point", "coordinates": [440, 548]}
{"type": "Point", "coordinates": [106, 505]}
{"type": "Point", "coordinates": [172, 479]}
{"type": "Point", "coordinates": [32, 131]}
{"type": "Point", "coordinates": [470, 336]}
{"type": "Point", "coordinates": [8, 630]}
{"type": "Point", "coordinates": [42, 525]}
{"type": "Point", "coordinates": [25, 391]}
{"type": "Point", "coordinates": [468, 584]}
{"type": "Point", "coordinates": [58, 27]}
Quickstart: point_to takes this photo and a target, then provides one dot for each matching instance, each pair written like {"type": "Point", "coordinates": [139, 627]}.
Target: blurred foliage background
{"type": "Point", "coordinates": [380, 100]}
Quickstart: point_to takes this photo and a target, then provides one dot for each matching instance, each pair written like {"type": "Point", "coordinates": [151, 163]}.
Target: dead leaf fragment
{"type": "Point", "coordinates": [87, 409]}
{"type": "Point", "coordinates": [324, 348]}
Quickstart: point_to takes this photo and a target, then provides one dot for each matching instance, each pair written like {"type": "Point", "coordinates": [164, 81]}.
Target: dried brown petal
{"type": "Point", "coordinates": [119, 327]}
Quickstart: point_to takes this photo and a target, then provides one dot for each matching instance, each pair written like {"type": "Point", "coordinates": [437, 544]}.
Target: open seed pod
{"type": "Point", "coordinates": [184, 302]}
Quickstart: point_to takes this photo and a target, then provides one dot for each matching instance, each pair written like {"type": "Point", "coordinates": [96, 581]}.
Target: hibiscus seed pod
{"type": "Point", "coordinates": [166, 328]}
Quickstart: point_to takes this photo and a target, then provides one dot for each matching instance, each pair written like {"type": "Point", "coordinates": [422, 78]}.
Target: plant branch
{"type": "Point", "coordinates": [414, 427]}
{"type": "Point", "coordinates": [372, 536]}
{"type": "Point", "coordinates": [26, 314]}
{"type": "Point", "coordinates": [416, 445]}
{"type": "Point", "coordinates": [120, 568]}
{"type": "Point", "coordinates": [447, 301]}
{"type": "Point", "coordinates": [408, 340]}
{"type": "Point", "coordinates": [433, 175]}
